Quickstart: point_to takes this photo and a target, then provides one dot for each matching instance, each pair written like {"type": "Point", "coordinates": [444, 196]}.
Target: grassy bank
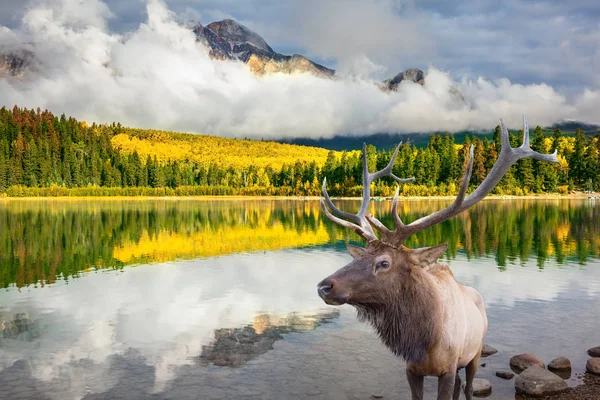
{"type": "Point", "coordinates": [229, 193]}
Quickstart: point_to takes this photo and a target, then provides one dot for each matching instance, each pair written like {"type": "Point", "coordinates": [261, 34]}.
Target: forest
{"type": "Point", "coordinates": [45, 155]}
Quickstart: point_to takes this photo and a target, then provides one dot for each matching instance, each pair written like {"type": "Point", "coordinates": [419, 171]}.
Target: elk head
{"type": "Point", "coordinates": [376, 272]}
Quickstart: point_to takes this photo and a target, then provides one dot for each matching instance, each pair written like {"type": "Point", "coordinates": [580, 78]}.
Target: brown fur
{"type": "Point", "coordinates": [405, 317]}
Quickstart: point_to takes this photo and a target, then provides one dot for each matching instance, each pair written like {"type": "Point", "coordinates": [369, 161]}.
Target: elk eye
{"type": "Point", "coordinates": [383, 264]}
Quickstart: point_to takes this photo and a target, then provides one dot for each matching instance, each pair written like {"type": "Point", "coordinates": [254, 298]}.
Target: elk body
{"type": "Point", "coordinates": [420, 312]}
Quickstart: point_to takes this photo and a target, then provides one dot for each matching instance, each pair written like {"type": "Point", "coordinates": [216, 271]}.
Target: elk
{"type": "Point", "coordinates": [420, 312]}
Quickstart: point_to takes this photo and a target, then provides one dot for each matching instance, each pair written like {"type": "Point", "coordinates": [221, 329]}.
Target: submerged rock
{"type": "Point", "coordinates": [521, 362]}
{"type": "Point", "coordinates": [537, 382]}
{"type": "Point", "coordinates": [594, 351]}
{"type": "Point", "coordinates": [593, 365]}
{"type": "Point", "coordinates": [505, 375]}
{"type": "Point", "coordinates": [487, 350]}
{"type": "Point", "coordinates": [560, 364]}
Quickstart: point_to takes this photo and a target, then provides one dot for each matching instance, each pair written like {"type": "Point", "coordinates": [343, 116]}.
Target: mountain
{"type": "Point", "coordinates": [411, 74]}
{"type": "Point", "coordinates": [15, 63]}
{"type": "Point", "coordinates": [389, 140]}
{"type": "Point", "coordinates": [230, 40]}
{"type": "Point", "coordinates": [227, 40]}
{"type": "Point", "coordinates": [570, 126]}
{"type": "Point", "coordinates": [379, 140]}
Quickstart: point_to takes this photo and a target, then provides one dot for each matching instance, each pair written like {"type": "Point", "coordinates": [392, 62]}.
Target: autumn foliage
{"type": "Point", "coordinates": [45, 155]}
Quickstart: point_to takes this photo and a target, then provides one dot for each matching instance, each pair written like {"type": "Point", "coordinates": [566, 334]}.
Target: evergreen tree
{"type": "Point", "coordinates": [3, 166]}
{"type": "Point", "coordinates": [577, 160]}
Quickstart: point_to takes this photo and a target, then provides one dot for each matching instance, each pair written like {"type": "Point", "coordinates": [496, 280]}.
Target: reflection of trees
{"type": "Point", "coordinates": [234, 347]}
{"type": "Point", "coordinates": [43, 240]}
{"type": "Point", "coordinates": [40, 241]}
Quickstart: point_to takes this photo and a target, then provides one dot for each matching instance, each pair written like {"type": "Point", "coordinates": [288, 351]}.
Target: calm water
{"type": "Point", "coordinates": [184, 299]}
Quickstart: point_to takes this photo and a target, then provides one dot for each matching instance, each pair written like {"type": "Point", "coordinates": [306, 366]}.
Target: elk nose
{"type": "Point", "coordinates": [325, 287]}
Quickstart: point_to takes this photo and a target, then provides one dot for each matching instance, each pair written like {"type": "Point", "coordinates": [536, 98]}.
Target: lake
{"type": "Point", "coordinates": [215, 299]}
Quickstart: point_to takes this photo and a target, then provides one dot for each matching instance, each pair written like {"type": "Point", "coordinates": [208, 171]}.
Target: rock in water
{"type": "Point", "coordinates": [487, 350]}
{"type": "Point", "coordinates": [504, 375]}
{"type": "Point", "coordinates": [593, 365]}
{"type": "Point", "coordinates": [537, 382]}
{"type": "Point", "coordinates": [560, 364]}
{"type": "Point", "coordinates": [594, 351]}
{"type": "Point", "coordinates": [481, 387]}
{"type": "Point", "coordinates": [523, 361]}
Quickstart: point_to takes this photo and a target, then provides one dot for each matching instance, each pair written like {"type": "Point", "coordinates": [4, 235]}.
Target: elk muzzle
{"type": "Point", "coordinates": [329, 291]}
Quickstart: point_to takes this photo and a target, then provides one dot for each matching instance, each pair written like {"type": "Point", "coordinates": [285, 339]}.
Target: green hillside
{"type": "Point", "coordinates": [45, 155]}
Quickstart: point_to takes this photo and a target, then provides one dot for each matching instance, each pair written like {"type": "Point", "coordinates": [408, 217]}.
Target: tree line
{"type": "Point", "coordinates": [42, 154]}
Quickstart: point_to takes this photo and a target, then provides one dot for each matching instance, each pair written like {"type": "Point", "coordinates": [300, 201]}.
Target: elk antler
{"type": "Point", "coordinates": [507, 157]}
{"type": "Point", "coordinates": [359, 222]}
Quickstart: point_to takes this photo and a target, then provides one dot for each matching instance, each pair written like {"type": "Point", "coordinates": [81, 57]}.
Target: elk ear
{"type": "Point", "coordinates": [427, 255]}
{"type": "Point", "coordinates": [355, 251]}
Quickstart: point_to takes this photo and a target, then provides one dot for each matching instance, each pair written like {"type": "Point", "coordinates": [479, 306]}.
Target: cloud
{"type": "Point", "coordinates": [158, 76]}
{"type": "Point", "coordinates": [381, 30]}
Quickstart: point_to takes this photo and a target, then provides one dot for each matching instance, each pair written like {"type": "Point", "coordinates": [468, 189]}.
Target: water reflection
{"type": "Point", "coordinates": [234, 347]}
{"type": "Point", "coordinates": [42, 241]}
{"type": "Point", "coordinates": [168, 314]}
{"type": "Point", "coordinates": [175, 330]}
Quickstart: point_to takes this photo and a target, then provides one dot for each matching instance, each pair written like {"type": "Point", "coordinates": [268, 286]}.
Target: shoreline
{"type": "Point", "coordinates": [548, 196]}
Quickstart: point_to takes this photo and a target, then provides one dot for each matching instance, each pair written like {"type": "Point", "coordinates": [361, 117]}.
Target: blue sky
{"type": "Point", "coordinates": [556, 42]}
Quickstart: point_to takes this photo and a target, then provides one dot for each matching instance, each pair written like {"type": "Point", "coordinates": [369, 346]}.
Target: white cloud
{"type": "Point", "coordinates": [158, 76]}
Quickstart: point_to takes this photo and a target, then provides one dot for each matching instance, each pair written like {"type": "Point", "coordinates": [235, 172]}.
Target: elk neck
{"type": "Point", "coordinates": [407, 318]}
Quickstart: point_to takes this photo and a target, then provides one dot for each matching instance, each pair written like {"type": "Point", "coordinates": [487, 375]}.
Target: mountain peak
{"type": "Point", "coordinates": [411, 74]}
{"type": "Point", "coordinates": [15, 63]}
{"type": "Point", "coordinates": [230, 40]}
{"type": "Point", "coordinates": [236, 34]}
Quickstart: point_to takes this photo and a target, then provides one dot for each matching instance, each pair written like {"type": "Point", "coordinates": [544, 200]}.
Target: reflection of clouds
{"type": "Point", "coordinates": [525, 281]}
{"type": "Point", "coordinates": [167, 312]}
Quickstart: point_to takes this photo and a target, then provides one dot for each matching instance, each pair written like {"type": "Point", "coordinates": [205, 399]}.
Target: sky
{"type": "Point", "coordinates": [506, 58]}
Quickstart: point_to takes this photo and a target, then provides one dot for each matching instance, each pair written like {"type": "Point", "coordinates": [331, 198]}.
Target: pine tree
{"type": "Point", "coordinates": [3, 166]}
{"type": "Point", "coordinates": [577, 160]}
{"type": "Point", "coordinates": [479, 170]}
{"type": "Point", "coordinates": [592, 166]}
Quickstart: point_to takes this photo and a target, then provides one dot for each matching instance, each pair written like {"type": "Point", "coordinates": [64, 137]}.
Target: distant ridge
{"type": "Point", "coordinates": [389, 140]}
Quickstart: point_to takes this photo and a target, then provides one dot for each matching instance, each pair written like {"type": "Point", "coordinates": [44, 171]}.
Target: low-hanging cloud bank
{"type": "Point", "coordinates": [159, 76]}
